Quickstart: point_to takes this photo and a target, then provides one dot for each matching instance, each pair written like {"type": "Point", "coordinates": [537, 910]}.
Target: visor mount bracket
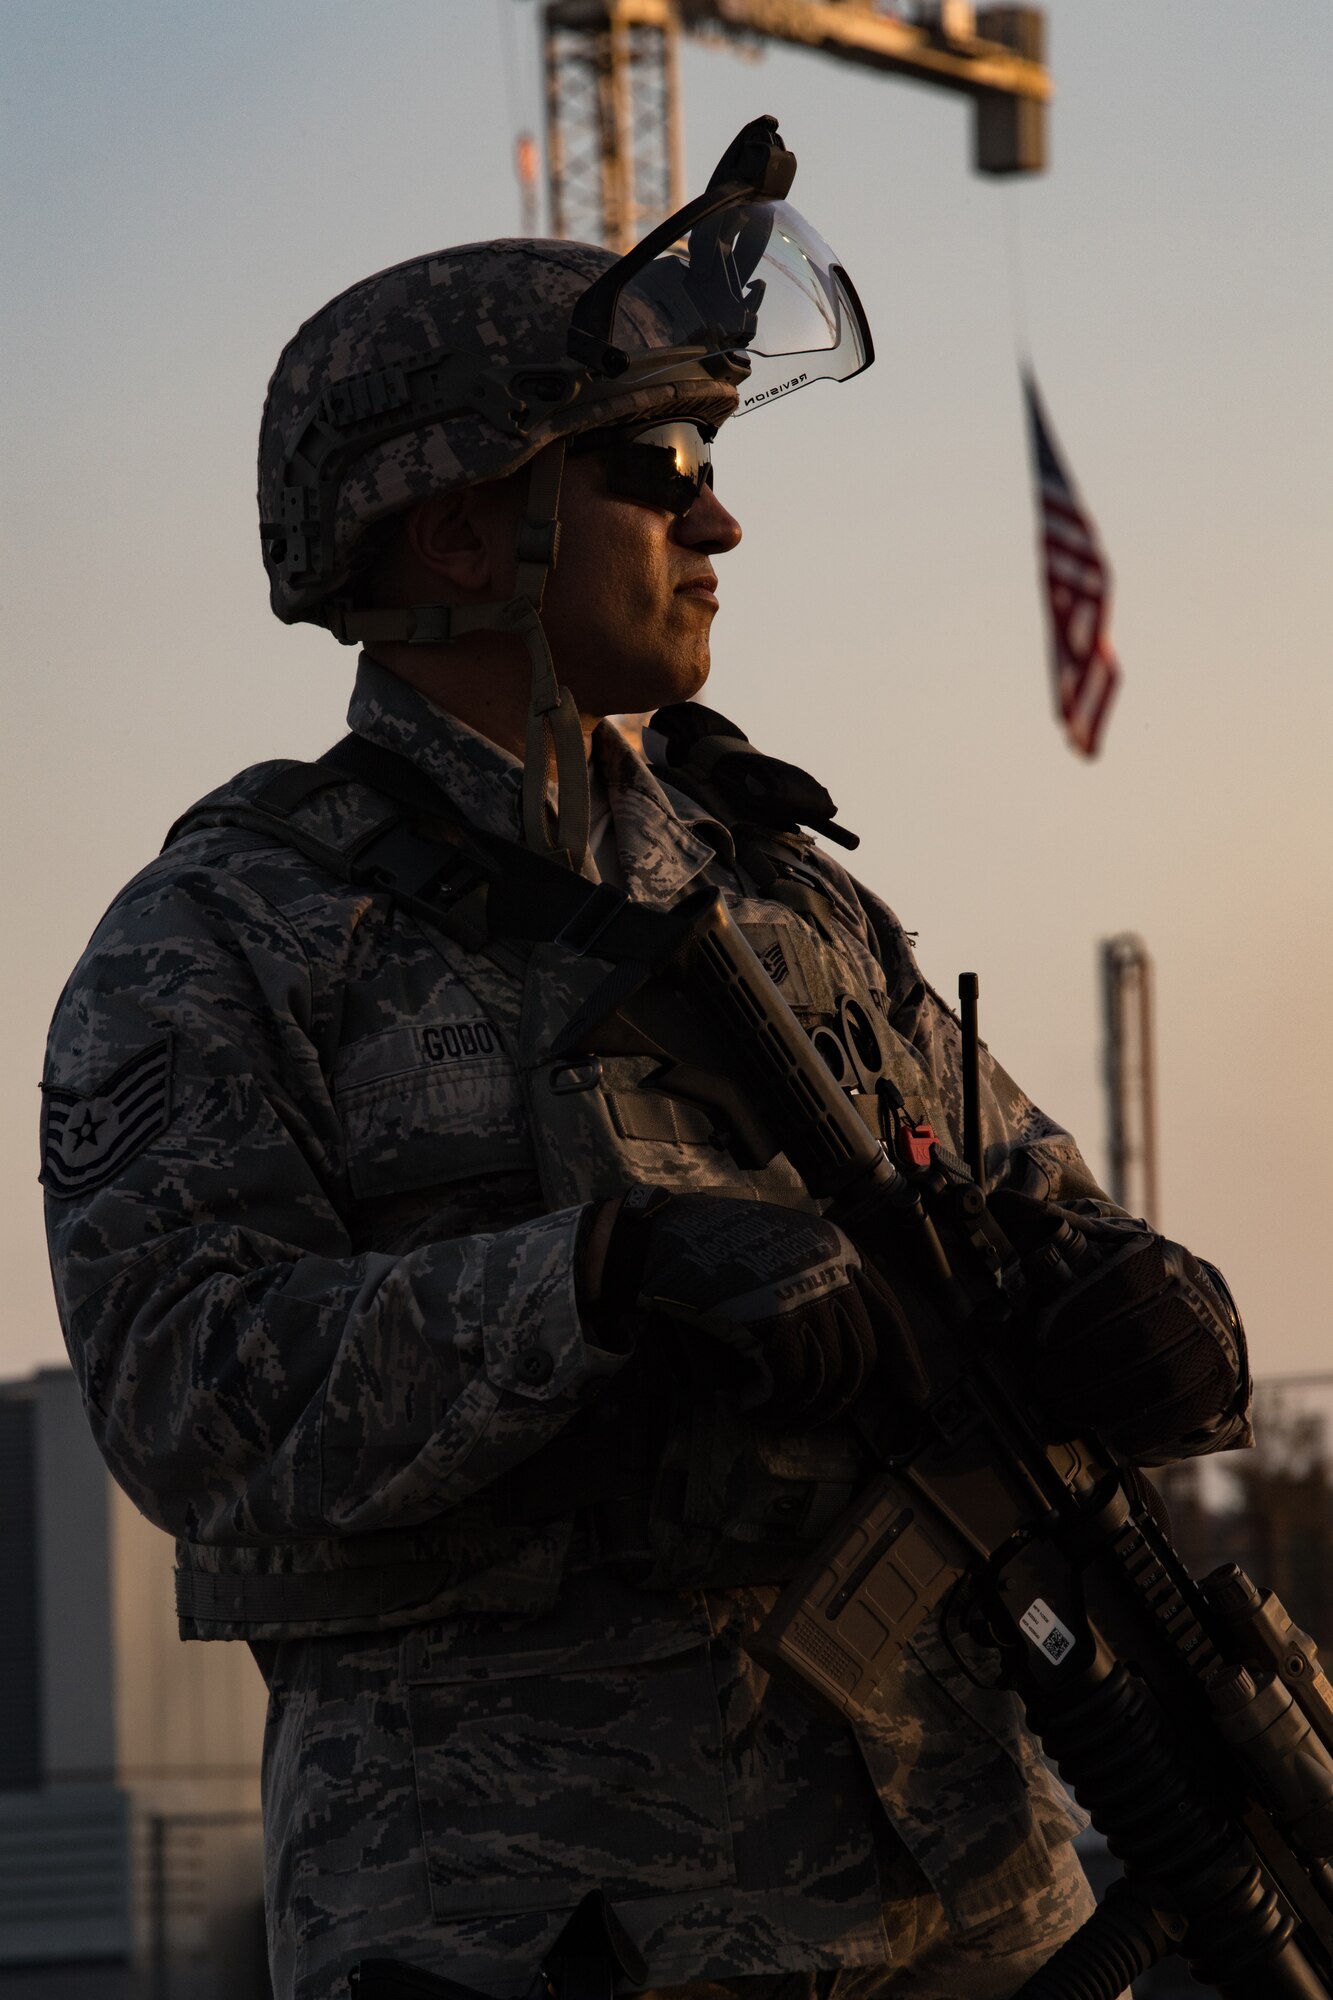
{"type": "Point", "coordinates": [698, 284]}
{"type": "Point", "coordinates": [596, 353]}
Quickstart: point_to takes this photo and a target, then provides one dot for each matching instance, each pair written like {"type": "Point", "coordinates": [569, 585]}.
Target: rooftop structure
{"type": "Point", "coordinates": [129, 1764]}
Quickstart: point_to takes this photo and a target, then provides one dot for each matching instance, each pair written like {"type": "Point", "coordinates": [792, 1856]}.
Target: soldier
{"type": "Point", "coordinates": [492, 1381]}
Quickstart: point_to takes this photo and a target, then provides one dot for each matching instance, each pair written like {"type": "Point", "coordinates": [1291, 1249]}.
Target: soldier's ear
{"type": "Point", "coordinates": [442, 534]}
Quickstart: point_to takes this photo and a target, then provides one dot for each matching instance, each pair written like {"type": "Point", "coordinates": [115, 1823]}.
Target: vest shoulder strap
{"type": "Point", "coordinates": [406, 840]}
{"type": "Point", "coordinates": [375, 839]}
{"type": "Point", "coordinates": [762, 801]}
{"type": "Point", "coordinates": [714, 761]}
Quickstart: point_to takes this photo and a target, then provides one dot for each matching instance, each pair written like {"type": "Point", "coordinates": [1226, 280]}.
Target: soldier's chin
{"type": "Point", "coordinates": [640, 691]}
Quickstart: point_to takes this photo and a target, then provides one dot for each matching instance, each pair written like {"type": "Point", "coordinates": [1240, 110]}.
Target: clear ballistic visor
{"type": "Point", "coordinates": [751, 279]}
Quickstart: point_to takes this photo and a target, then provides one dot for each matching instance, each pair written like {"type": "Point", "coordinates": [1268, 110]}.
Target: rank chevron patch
{"type": "Point", "coordinates": [87, 1136]}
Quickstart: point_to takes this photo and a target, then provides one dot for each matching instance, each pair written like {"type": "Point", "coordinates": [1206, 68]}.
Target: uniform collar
{"type": "Point", "coordinates": [664, 839]}
{"type": "Point", "coordinates": [483, 781]}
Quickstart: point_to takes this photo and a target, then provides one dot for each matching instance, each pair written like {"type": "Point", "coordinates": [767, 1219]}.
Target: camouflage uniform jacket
{"type": "Point", "coordinates": [316, 1270]}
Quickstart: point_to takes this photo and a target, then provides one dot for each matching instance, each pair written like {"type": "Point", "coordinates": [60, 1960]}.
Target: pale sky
{"type": "Point", "coordinates": [186, 182]}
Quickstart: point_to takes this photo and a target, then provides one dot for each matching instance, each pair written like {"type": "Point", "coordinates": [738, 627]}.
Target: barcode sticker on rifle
{"type": "Point", "coordinates": [1045, 1630]}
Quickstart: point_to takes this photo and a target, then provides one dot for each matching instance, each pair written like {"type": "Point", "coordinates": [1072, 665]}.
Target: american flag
{"type": "Point", "coordinates": [1078, 591]}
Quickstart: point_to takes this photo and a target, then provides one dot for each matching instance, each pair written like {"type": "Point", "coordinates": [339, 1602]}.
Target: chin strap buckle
{"type": "Point", "coordinates": [538, 542]}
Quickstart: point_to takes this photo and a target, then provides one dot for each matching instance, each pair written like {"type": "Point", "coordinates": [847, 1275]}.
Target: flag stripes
{"type": "Point", "coordinates": [1077, 581]}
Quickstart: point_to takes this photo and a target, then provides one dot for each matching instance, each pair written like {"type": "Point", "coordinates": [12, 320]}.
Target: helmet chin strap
{"type": "Point", "coordinates": [554, 752]}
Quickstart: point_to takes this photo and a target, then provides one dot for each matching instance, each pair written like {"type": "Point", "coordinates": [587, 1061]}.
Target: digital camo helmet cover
{"type": "Point", "coordinates": [441, 372]}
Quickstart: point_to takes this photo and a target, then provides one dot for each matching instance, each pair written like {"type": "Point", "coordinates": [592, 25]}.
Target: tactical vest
{"type": "Point", "coordinates": [727, 1503]}
{"type": "Point", "coordinates": [703, 1498]}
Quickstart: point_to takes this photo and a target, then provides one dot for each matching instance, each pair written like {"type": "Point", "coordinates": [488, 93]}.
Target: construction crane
{"type": "Point", "coordinates": [1131, 1092]}
{"type": "Point", "coordinates": [614, 154]}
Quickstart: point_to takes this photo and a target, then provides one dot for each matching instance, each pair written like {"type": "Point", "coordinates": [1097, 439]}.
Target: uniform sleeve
{"type": "Point", "coordinates": [248, 1377]}
{"type": "Point", "coordinates": [1028, 1152]}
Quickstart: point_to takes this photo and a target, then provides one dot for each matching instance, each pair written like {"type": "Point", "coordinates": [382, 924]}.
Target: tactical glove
{"type": "Point", "coordinates": [1145, 1347]}
{"type": "Point", "coordinates": [780, 1296]}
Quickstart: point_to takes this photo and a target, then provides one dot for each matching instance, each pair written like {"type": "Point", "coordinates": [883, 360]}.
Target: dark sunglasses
{"type": "Point", "coordinates": [666, 465]}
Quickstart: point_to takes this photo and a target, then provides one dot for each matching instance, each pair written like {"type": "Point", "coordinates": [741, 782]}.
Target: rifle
{"type": "Point", "coordinates": [1191, 1718]}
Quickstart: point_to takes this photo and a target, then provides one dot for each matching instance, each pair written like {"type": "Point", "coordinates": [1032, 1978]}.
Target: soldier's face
{"type": "Point", "coordinates": [630, 606]}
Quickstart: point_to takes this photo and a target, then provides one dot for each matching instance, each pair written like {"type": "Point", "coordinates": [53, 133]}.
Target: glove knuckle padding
{"type": "Point", "coordinates": [778, 1286]}
{"type": "Point", "coordinates": [794, 1358]}
{"type": "Point", "coordinates": [1143, 1349]}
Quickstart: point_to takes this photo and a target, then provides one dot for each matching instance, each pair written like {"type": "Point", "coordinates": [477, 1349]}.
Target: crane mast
{"type": "Point", "coordinates": [614, 159]}
{"type": "Point", "coordinates": [613, 124]}
{"type": "Point", "coordinates": [1130, 1073]}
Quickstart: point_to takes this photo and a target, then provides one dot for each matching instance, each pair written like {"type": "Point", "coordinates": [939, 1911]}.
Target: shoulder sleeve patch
{"type": "Point", "coordinates": [88, 1136]}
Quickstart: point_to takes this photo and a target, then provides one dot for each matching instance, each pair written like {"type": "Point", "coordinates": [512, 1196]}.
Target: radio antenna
{"type": "Point", "coordinates": [974, 1151]}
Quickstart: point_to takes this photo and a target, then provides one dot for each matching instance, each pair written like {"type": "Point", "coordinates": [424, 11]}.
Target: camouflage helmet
{"type": "Point", "coordinates": [443, 371]}
{"type": "Point", "coordinates": [457, 368]}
